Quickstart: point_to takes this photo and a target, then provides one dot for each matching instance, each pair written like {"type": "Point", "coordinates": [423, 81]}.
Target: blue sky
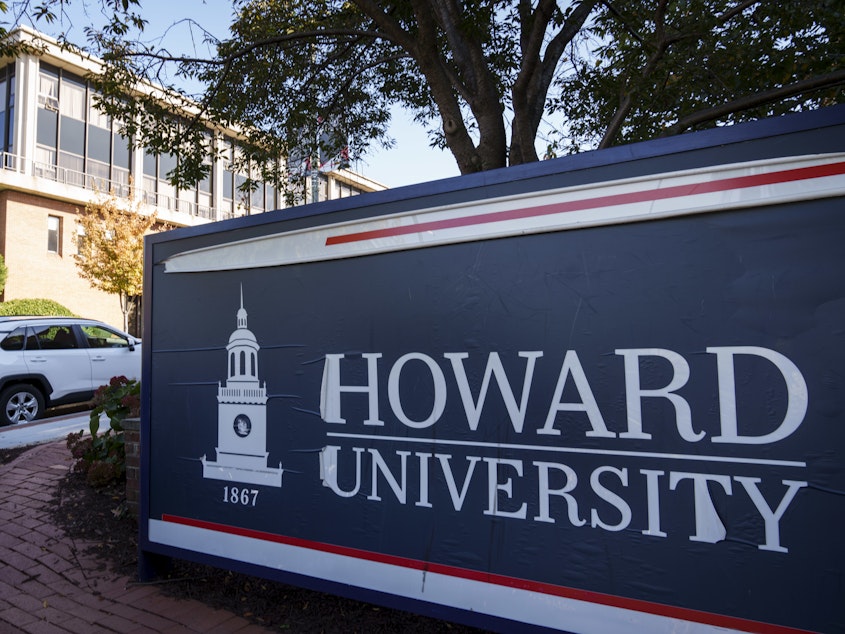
{"type": "Point", "coordinates": [410, 161]}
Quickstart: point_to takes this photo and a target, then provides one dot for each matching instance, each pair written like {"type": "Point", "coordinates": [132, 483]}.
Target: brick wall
{"type": "Point", "coordinates": [132, 447]}
{"type": "Point", "coordinates": [34, 272]}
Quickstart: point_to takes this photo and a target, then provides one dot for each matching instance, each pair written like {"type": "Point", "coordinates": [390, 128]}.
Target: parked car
{"type": "Point", "coordinates": [48, 361]}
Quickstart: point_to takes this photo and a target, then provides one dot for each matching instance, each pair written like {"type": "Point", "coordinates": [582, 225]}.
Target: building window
{"type": "Point", "coordinates": [238, 200]}
{"type": "Point", "coordinates": [228, 184]}
{"type": "Point", "coordinates": [235, 199]}
{"type": "Point", "coordinates": [121, 160]}
{"type": "Point", "coordinates": [166, 191]}
{"type": "Point", "coordinates": [324, 188]}
{"type": "Point", "coordinates": [54, 232]}
{"type": "Point", "coordinates": [205, 189]}
{"type": "Point", "coordinates": [272, 198]}
{"type": "Point", "coordinates": [158, 190]}
{"type": "Point", "coordinates": [263, 196]}
{"type": "Point", "coordinates": [256, 199]}
{"type": "Point", "coordinates": [72, 130]}
{"type": "Point", "coordinates": [197, 199]}
{"type": "Point", "coordinates": [80, 238]}
{"type": "Point", "coordinates": [7, 114]}
{"type": "Point", "coordinates": [47, 122]}
{"type": "Point", "coordinates": [48, 88]}
{"type": "Point", "coordinates": [76, 143]}
{"type": "Point", "coordinates": [344, 190]}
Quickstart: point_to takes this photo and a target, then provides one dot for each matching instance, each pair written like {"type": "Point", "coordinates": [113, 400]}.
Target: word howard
{"type": "Point", "coordinates": [608, 497]}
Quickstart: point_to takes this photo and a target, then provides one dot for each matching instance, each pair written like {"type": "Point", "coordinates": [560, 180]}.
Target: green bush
{"type": "Point", "coordinates": [101, 456]}
{"type": "Point", "coordinates": [34, 307]}
{"type": "Point", "coordinates": [4, 272]}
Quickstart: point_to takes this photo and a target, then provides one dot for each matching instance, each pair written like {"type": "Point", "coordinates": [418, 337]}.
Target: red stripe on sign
{"type": "Point", "coordinates": [705, 187]}
{"type": "Point", "coordinates": [659, 609]}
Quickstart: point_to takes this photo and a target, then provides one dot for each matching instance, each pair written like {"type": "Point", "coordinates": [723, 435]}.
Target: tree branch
{"type": "Point", "coordinates": [390, 29]}
{"type": "Point", "coordinates": [626, 100]}
{"type": "Point", "coordinates": [757, 99]}
{"type": "Point", "coordinates": [270, 41]}
{"type": "Point", "coordinates": [631, 30]}
{"type": "Point", "coordinates": [727, 15]}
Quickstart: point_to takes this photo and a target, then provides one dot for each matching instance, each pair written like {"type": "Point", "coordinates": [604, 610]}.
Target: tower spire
{"type": "Point", "coordinates": [242, 311]}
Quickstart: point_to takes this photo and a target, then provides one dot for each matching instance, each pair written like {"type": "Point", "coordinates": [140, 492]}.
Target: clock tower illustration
{"type": "Point", "coordinates": [242, 416]}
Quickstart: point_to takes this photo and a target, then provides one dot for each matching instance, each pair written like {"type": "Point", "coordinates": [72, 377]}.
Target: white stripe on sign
{"type": "Point", "coordinates": [665, 195]}
{"type": "Point", "coordinates": [519, 600]}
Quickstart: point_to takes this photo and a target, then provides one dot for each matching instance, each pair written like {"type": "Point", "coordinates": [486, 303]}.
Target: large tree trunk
{"type": "Point", "coordinates": [537, 70]}
{"type": "Point", "coordinates": [469, 77]}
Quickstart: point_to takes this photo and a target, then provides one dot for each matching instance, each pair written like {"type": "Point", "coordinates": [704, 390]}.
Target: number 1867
{"type": "Point", "coordinates": [237, 495]}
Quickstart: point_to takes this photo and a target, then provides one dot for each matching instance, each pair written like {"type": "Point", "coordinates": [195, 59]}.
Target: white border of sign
{"type": "Point", "coordinates": [514, 599]}
{"type": "Point", "coordinates": [665, 195]}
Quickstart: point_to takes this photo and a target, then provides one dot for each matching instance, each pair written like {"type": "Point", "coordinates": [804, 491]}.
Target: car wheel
{"type": "Point", "coordinates": [20, 404]}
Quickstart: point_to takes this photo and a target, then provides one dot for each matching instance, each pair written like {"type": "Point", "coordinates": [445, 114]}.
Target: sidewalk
{"type": "Point", "coordinates": [48, 584]}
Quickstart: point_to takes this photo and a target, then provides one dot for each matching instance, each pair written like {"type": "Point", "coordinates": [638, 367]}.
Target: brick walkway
{"type": "Point", "coordinates": [48, 584]}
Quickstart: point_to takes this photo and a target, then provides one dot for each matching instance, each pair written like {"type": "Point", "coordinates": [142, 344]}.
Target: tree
{"type": "Point", "coordinates": [111, 253]}
{"type": "Point", "coordinates": [489, 77]}
{"type": "Point", "coordinates": [4, 273]}
{"type": "Point", "coordinates": [661, 68]}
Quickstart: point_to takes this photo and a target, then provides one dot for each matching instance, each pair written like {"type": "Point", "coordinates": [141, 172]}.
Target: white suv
{"type": "Point", "coordinates": [47, 361]}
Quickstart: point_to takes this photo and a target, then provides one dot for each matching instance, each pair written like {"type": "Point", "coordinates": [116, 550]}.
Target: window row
{"type": "Point", "coordinates": [77, 144]}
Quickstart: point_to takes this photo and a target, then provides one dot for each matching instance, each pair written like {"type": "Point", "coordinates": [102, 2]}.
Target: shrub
{"type": "Point", "coordinates": [118, 400]}
{"type": "Point", "coordinates": [4, 272]}
{"type": "Point", "coordinates": [34, 307]}
{"type": "Point", "coordinates": [101, 463]}
{"type": "Point", "coordinates": [101, 457]}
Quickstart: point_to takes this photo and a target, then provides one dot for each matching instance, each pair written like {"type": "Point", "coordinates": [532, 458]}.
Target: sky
{"type": "Point", "coordinates": [410, 161]}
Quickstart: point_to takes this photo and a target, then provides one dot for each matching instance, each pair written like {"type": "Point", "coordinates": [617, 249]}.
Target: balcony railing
{"type": "Point", "coordinates": [12, 162]}
{"type": "Point", "coordinates": [91, 182]}
{"type": "Point", "coordinates": [75, 178]}
{"type": "Point", "coordinates": [180, 205]}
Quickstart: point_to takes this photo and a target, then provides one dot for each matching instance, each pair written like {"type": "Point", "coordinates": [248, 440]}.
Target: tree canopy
{"type": "Point", "coordinates": [492, 80]}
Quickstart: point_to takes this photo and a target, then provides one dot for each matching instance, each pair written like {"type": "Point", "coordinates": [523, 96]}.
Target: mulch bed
{"type": "Point", "coordinates": [100, 516]}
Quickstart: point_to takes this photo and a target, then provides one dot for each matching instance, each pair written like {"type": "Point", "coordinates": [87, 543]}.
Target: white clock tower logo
{"type": "Point", "coordinates": [242, 416]}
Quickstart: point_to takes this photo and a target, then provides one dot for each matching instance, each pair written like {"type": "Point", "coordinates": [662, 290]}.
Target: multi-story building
{"type": "Point", "coordinates": [59, 152]}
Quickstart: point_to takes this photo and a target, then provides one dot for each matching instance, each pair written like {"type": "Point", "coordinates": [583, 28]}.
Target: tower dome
{"type": "Point", "coordinates": [242, 349]}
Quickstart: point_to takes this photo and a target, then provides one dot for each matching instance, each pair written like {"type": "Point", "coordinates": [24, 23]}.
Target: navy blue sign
{"type": "Point", "coordinates": [606, 405]}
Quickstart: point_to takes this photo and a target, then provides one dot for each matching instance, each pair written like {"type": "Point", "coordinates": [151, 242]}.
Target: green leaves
{"type": "Point", "coordinates": [295, 76]}
{"type": "Point", "coordinates": [101, 456]}
{"type": "Point", "coordinates": [661, 63]}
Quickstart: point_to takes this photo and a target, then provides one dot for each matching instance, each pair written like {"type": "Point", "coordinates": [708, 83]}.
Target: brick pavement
{"type": "Point", "coordinates": [48, 584]}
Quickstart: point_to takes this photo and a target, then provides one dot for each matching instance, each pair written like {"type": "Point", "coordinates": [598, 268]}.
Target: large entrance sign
{"type": "Point", "coordinates": [603, 393]}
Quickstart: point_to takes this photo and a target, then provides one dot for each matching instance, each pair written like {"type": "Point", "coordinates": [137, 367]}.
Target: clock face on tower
{"type": "Point", "coordinates": [242, 425]}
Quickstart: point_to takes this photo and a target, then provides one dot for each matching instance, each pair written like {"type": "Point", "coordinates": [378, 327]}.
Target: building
{"type": "Point", "coordinates": [59, 152]}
